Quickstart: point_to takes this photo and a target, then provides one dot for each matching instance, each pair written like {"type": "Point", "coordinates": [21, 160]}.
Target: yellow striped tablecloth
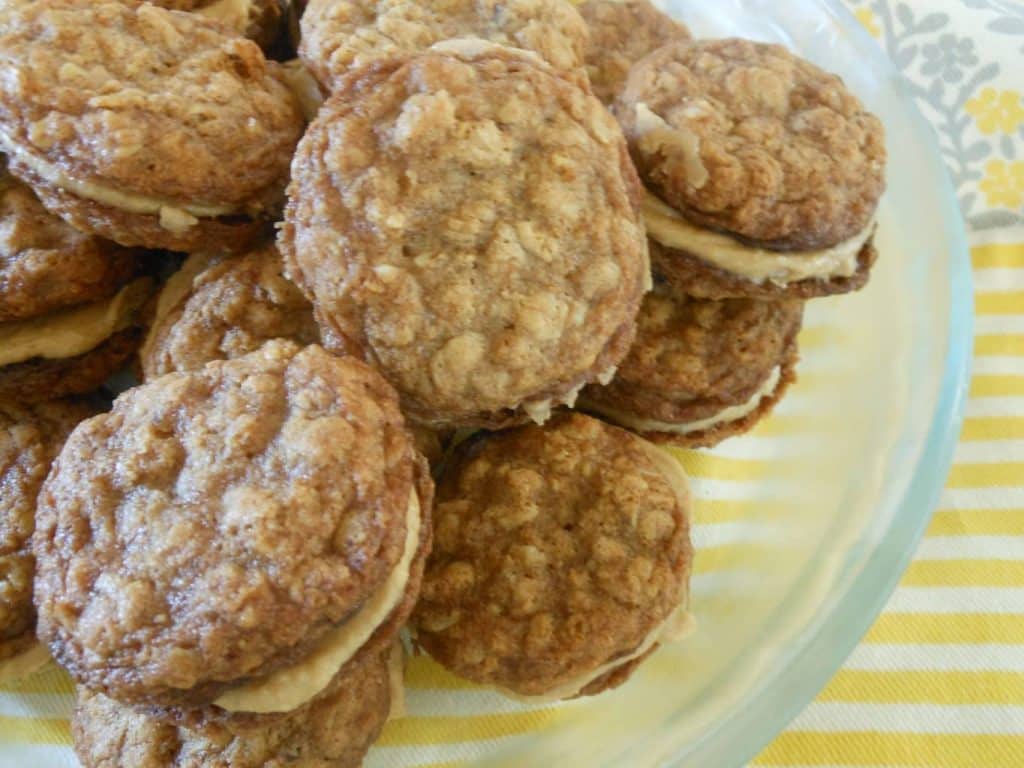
{"type": "Point", "coordinates": [939, 679]}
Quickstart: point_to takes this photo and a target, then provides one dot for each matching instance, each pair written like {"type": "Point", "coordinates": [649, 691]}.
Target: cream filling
{"type": "Point", "coordinates": [232, 13]}
{"type": "Point", "coordinates": [724, 416]}
{"type": "Point", "coordinates": [472, 47]}
{"type": "Point", "coordinates": [174, 216]}
{"type": "Point", "coordinates": [72, 331]}
{"type": "Point", "coordinates": [303, 85]}
{"type": "Point", "coordinates": [677, 626]}
{"type": "Point", "coordinates": [29, 661]}
{"type": "Point", "coordinates": [396, 681]}
{"type": "Point", "coordinates": [290, 688]}
{"type": "Point", "coordinates": [175, 290]}
{"type": "Point", "coordinates": [758, 265]}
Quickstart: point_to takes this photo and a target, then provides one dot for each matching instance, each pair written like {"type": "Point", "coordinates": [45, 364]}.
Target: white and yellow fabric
{"type": "Point", "coordinates": [939, 680]}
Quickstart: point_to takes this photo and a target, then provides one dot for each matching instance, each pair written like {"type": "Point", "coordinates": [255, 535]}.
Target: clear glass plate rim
{"type": "Point", "coordinates": [762, 718]}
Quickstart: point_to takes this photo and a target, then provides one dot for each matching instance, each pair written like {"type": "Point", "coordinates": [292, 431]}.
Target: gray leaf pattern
{"type": "Point", "coordinates": [943, 71]}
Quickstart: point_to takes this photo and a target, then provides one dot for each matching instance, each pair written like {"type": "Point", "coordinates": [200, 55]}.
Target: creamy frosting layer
{"type": "Point", "coordinates": [175, 290]}
{"type": "Point", "coordinates": [724, 416]}
{"type": "Point", "coordinates": [677, 626]}
{"type": "Point", "coordinates": [293, 686]}
{"type": "Point", "coordinates": [304, 86]}
{"type": "Point", "coordinates": [174, 216]}
{"type": "Point", "coordinates": [668, 227]}
{"type": "Point", "coordinates": [72, 331]}
{"type": "Point", "coordinates": [32, 659]}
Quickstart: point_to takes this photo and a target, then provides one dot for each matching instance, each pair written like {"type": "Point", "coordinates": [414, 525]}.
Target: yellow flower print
{"type": "Point", "coordinates": [996, 111]}
{"type": "Point", "coordinates": [1003, 184]}
{"type": "Point", "coordinates": [867, 20]}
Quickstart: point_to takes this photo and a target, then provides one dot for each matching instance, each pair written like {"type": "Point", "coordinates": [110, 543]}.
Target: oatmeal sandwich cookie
{"type": "Point", "coordinates": [701, 370]}
{"type": "Point", "coordinates": [222, 308]}
{"type": "Point", "coordinates": [763, 172]}
{"type": "Point", "coordinates": [233, 536]}
{"type": "Point", "coordinates": [340, 35]}
{"type": "Point", "coordinates": [334, 731]}
{"type": "Point", "coordinates": [621, 33]}
{"type": "Point", "coordinates": [30, 438]}
{"type": "Point", "coordinates": [146, 126]}
{"type": "Point", "coordinates": [259, 20]}
{"type": "Point", "coordinates": [562, 558]}
{"type": "Point", "coordinates": [68, 302]}
{"type": "Point", "coordinates": [467, 220]}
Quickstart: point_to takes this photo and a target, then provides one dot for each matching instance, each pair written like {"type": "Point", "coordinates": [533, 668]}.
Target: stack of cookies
{"type": "Point", "coordinates": [431, 243]}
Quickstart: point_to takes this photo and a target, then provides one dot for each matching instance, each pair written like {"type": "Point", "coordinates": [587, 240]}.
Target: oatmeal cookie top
{"type": "Point", "coordinates": [467, 219]}
{"type": "Point", "coordinates": [556, 549]}
{"type": "Point", "coordinates": [233, 307]}
{"type": "Point", "coordinates": [621, 33]}
{"type": "Point", "coordinates": [216, 523]}
{"type": "Point", "coordinates": [689, 351]}
{"type": "Point", "coordinates": [144, 100]}
{"type": "Point", "coordinates": [30, 437]}
{"type": "Point", "coordinates": [338, 35]}
{"type": "Point", "coordinates": [750, 139]}
{"type": "Point", "coordinates": [45, 264]}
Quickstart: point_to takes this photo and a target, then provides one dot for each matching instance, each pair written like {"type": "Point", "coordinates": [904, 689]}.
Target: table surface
{"type": "Point", "coordinates": [939, 679]}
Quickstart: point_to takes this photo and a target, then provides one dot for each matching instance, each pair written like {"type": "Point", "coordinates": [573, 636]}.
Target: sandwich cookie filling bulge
{"type": "Point", "coordinates": [724, 416]}
{"type": "Point", "coordinates": [289, 688]}
{"type": "Point", "coordinates": [671, 229]}
{"type": "Point", "coordinates": [29, 661]}
{"type": "Point", "coordinates": [174, 215]}
{"type": "Point", "coordinates": [73, 331]}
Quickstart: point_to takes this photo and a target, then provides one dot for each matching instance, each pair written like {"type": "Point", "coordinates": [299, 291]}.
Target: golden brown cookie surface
{"type": "Point", "coordinates": [30, 438]}
{"type": "Point", "coordinates": [332, 732]}
{"type": "Point", "coordinates": [695, 360]}
{"type": "Point", "coordinates": [621, 33]}
{"type": "Point", "coordinates": [47, 265]}
{"type": "Point", "coordinates": [239, 513]}
{"type": "Point", "coordinates": [509, 272]}
{"type": "Point", "coordinates": [558, 549]}
{"type": "Point", "coordinates": [749, 139]}
{"type": "Point", "coordinates": [143, 125]}
{"type": "Point", "coordinates": [232, 308]}
{"type": "Point", "coordinates": [339, 35]}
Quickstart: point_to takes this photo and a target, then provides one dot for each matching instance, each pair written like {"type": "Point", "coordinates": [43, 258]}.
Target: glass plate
{"type": "Point", "coordinates": [805, 527]}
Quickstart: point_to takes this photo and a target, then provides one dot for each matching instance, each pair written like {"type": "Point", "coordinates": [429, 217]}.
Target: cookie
{"type": "Point", "coordinates": [67, 309]}
{"type": "Point", "coordinates": [180, 140]}
{"type": "Point", "coordinates": [234, 535]}
{"type": "Point", "coordinates": [561, 557]}
{"type": "Point", "coordinates": [30, 438]}
{"type": "Point", "coordinates": [42, 377]}
{"type": "Point", "coordinates": [335, 731]}
{"type": "Point", "coordinates": [484, 214]}
{"type": "Point", "coordinates": [758, 166]}
{"type": "Point", "coordinates": [225, 310]}
{"type": "Point", "coordinates": [46, 265]}
{"type": "Point", "coordinates": [340, 35]}
{"type": "Point", "coordinates": [430, 443]}
{"type": "Point", "coordinates": [700, 370]}
{"type": "Point", "coordinates": [259, 20]}
{"type": "Point", "coordinates": [621, 33]}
